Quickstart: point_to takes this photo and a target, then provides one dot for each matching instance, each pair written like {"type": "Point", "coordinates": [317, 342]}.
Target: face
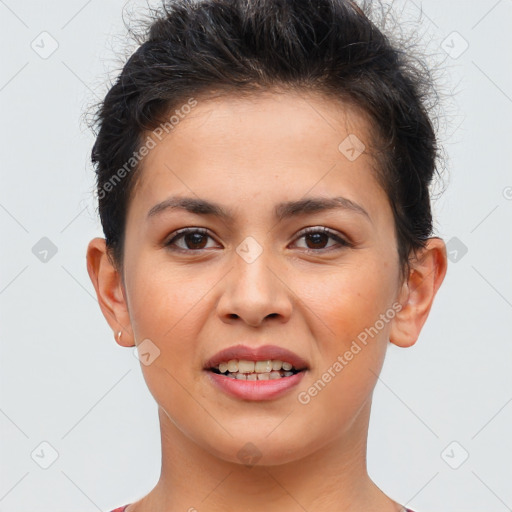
{"type": "Point", "coordinates": [273, 273]}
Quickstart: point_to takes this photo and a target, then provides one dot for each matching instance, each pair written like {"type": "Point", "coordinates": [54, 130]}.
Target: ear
{"type": "Point", "coordinates": [417, 293]}
{"type": "Point", "coordinates": [110, 291]}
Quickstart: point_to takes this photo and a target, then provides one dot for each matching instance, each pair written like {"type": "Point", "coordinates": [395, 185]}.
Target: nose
{"type": "Point", "coordinates": [255, 292]}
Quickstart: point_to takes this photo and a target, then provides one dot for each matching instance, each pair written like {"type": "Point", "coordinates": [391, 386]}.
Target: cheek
{"type": "Point", "coordinates": [164, 301]}
{"type": "Point", "coordinates": [169, 309]}
{"type": "Point", "coordinates": [351, 300]}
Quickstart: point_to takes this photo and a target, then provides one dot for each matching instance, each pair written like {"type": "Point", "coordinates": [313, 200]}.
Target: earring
{"type": "Point", "coordinates": [119, 336]}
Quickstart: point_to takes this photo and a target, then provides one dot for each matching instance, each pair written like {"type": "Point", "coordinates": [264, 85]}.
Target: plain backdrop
{"type": "Point", "coordinates": [79, 429]}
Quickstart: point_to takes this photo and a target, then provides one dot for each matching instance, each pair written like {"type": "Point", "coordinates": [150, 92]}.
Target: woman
{"type": "Point", "coordinates": [263, 173]}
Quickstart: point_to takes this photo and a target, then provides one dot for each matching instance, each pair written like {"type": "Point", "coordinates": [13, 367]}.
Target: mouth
{"type": "Point", "coordinates": [262, 373]}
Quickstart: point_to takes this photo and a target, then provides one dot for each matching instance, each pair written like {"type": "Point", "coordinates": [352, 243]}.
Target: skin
{"type": "Point", "coordinates": [248, 154]}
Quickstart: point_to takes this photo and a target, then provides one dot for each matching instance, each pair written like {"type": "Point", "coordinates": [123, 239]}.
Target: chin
{"type": "Point", "coordinates": [259, 449]}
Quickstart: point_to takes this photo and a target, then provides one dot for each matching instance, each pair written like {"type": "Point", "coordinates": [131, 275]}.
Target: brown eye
{"type": "Point", "coordinates": [194, 240]}
{"type": "Point", "coordinates": [191, 239]}
{"type": "Point", "coordinates": [317, 238]}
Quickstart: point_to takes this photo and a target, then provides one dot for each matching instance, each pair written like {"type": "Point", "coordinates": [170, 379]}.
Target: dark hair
{"type": "Point", "coordinates": [194, 47]}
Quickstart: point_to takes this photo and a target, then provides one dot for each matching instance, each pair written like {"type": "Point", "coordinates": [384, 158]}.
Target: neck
{"type": "Point", "coordinates": [333, 478]}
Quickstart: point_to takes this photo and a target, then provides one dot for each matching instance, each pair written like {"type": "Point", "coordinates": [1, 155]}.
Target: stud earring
{"type": "Point", "coordinates": [119, 336]}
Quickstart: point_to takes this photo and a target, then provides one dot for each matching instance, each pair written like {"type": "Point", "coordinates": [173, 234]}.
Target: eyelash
{"type": "Point", "coordinates": [311, 230]}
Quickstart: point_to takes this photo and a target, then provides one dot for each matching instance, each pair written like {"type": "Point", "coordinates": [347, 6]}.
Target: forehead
{"type": "Point", "coordinates": [266, 144]}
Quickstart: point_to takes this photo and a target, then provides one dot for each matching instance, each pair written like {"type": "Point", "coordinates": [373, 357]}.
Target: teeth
{"type": "Point", "coordinates": [277, 365]}
{"type": "Point", "coordinates": [243, 369]}
{"type": "Point", "coordinates": [245, 366]}
{"type": "Point", "coordinates": [263, 366]}
{"type": "Point", "coordinates": [258, 376]}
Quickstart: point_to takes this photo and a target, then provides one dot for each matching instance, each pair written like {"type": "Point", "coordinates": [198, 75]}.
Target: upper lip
{"type": "Point", "coordinates": [261, 353]}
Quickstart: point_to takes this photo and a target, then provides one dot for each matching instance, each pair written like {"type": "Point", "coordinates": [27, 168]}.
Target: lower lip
{"type": "Point", "coordinates": [256, 389]}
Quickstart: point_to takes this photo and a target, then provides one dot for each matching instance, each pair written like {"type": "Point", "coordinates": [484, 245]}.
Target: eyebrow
{"type": "Point", "coordinates": [282, 210]}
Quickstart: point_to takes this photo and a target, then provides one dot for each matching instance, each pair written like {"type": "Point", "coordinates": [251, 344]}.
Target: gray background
{"type": "Point", "coordinates": [64, 380]}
